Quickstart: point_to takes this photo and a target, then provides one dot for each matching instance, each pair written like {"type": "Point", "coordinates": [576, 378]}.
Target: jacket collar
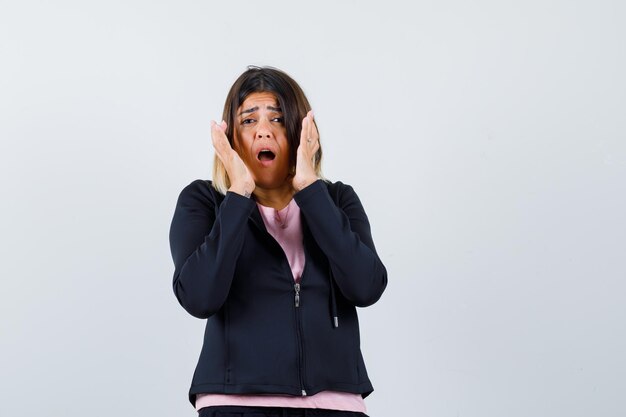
{"type": "Point", "coordinates": [256, 219]}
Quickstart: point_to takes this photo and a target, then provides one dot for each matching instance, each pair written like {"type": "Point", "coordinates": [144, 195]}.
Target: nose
{"type": "Point", "coordinates": [263, 130]}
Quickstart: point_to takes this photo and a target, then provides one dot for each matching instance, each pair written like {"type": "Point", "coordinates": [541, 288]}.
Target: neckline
{"type": "Point", "coordinates": [281, 218]}
{"type": "Point", "coordinates": [292, 201]}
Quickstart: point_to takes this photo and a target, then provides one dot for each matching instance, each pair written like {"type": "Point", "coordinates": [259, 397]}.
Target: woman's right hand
{"type": "Point", "coordinates": [241, 181]}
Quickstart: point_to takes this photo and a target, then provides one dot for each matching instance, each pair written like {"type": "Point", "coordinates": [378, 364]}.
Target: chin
{"type": "Point", "coordinates": [269, 182]}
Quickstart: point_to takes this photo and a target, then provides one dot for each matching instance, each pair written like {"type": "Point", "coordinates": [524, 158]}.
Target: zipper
{"type": "Point", "coordinates": [297, 290]}
{"type": "Point", "coordinates": [297, 297]}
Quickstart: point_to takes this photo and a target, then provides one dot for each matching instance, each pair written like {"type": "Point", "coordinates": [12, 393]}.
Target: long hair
{"type": "Point", "coordinates": [291, 100]}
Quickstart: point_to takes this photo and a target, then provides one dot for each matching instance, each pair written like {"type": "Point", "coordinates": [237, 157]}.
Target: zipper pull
{"type": "Point", "coordinates": [297, 288]}
{"type": "Point", "coordinates": [303, 393]}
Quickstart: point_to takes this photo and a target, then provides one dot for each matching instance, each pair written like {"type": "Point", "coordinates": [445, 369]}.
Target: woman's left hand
{"type": "Point", "coordinates": [305, 160]}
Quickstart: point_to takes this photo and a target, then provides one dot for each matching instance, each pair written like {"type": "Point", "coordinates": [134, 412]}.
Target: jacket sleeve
{"type": "Point", "coordinates": [205, 246]}
{"type": "Point", "coordinates": [343, 233]}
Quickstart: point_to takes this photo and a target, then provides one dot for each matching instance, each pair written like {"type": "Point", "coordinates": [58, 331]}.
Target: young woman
{"type": "Point", "coordinates": [276, 259]}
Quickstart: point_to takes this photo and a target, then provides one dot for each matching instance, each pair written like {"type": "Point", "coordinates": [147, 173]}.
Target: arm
{"type": "Point", "coordinates": [205, 247]}
{"type": "Point", "coordinates": [342, 231]}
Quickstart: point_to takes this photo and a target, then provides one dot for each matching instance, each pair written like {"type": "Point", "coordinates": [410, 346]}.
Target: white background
{"type": "Point", "coordinates": [486, 140]}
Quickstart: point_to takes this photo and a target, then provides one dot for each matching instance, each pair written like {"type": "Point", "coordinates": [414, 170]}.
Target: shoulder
{"type": "Point", "coordinates": [338, 189]}
{"type": "Point", "coordinates": [200, 191]}
{"type": "Point", "coordinates": [342, 194]}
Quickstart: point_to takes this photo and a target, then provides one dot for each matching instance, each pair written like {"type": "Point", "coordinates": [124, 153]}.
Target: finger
{"type": "Point", "coordinates": [304, 131]}
{"type": "Point", "coordinates": [309, 122]}
{"type": "Point", "coordinates": [312, 129]}
{"type": "Point", "coordinates": [214, 132]}
{"type": "Point", "coordinates": [316, 146]}
{"type": "Point", "coordinates": [314, 133]}
{"type": "Point", "coordinates": [222, 127]}
{"type": "Point", "coordinates": [220, 142]}
{"type": "Point", "coordinates": [218, 131]}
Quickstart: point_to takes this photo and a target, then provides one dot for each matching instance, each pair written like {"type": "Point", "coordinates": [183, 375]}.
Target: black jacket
{"type": "Point", "coordinates": [263, 333]}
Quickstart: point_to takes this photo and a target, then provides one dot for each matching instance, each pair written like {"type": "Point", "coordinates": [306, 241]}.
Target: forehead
{"type": "Point", "coordinates": [261, 100]}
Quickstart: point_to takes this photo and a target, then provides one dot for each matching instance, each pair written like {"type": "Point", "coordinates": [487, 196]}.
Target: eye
{"type": "Point", "coordinates": [247, 121]}
{"type": "Point", "coordinates": [278, 119]}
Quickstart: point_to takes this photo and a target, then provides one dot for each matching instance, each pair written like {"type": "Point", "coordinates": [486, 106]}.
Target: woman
{"type": "Point", "coordinates": [275, 259]}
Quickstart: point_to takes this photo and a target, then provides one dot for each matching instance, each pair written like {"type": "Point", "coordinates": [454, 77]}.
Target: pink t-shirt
{"type": "Point", "coordinates": [286, 227]}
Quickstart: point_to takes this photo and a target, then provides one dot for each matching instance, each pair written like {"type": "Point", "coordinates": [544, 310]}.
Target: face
{"type": "Point", "coordinates": [261, 140]}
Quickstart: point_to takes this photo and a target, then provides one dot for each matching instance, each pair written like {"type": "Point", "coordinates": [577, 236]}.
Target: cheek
{"type": "Point", "coordinates": [284, 143]}
{"type": "Point", "coordinates": [240, 145]}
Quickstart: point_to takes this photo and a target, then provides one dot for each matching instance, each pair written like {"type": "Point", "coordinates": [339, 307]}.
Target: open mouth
{"type": "Point", "coordinates": [266, 155]}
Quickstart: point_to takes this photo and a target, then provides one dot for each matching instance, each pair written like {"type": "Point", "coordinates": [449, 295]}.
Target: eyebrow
{"type": "Point", "coordinates": [255, 108]}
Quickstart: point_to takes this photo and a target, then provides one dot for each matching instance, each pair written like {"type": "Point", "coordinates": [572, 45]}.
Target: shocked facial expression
{"type": "Point", "coordinates": [261, 140]}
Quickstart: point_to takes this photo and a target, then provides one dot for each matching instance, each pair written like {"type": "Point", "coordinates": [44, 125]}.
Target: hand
{"type": "Point", "coordinates": [305, 159]}
{"type": "Point", "coordinates": [241, 181]}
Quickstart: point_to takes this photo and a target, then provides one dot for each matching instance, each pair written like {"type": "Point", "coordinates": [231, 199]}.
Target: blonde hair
{"type": "Point", "coordinates": [292, 101]}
